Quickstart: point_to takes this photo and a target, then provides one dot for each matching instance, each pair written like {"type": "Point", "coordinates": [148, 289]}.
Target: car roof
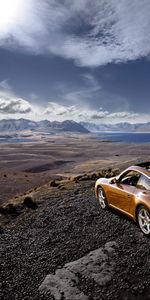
{"type": "Point", "coordinates": [140, 170]}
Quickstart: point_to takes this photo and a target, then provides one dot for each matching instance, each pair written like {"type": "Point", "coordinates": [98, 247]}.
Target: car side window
{"type": "Point", "coordinates": [144, 183]}
{"type": "Point", "coordinates": [130, 178]}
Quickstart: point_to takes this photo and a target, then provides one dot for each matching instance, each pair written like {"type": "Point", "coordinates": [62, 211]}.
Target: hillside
{"type": "Point", "coordinates": [66, 247]}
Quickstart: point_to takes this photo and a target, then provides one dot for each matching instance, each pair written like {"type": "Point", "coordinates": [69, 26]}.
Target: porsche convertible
{"type": "Point", "coordinates": [129, 193]}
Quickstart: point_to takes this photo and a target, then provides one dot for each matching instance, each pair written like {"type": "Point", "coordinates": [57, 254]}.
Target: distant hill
{"type": "Point", "coordinates": [124, 127]}
{"type": "Point", "coordinates": [64, 126]}
{"type": "Point", "coordinates": [12, 125]}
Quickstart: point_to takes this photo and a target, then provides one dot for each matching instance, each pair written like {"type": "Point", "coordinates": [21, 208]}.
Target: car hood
{"type": "Point", "coordinates": [103, 180]}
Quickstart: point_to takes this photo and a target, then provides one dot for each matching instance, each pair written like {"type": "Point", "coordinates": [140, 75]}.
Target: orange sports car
{"type": "Point", "coordinates": [129, 193]}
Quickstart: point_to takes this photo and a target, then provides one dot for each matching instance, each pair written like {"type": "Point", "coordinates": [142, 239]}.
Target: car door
{"type": "Point", "coordinates": [121, 196]}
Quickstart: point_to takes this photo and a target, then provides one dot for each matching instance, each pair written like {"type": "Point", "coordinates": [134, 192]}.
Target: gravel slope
{"type": "Point", "coordinates": [67, 225]}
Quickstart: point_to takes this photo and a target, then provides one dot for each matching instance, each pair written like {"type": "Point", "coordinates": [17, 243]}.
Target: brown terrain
{"type": "Point", "coordinates": [25, 166]}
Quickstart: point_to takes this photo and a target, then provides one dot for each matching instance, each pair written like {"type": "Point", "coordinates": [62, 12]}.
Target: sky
{"type": "Point", "coordinates": [82, 60]}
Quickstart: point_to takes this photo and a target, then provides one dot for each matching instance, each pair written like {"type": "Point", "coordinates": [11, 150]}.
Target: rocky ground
{"type": "Point", "coordinates": [65, 226]}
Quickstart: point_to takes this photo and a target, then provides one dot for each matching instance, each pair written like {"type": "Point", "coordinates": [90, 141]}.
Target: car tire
{"type": "Point", "coordinates": [102, 198]}
{"type": "Point", "coordinates": [143, 218]}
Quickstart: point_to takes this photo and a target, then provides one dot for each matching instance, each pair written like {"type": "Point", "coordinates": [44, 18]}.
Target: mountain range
{"type": "Point", "coordinates": [13, 125]}
{"type": "Point", "coordinates": [122, 127]}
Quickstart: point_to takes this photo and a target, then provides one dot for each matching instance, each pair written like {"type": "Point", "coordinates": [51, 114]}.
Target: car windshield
{"type": "Point", "coordinates": [144, 183]}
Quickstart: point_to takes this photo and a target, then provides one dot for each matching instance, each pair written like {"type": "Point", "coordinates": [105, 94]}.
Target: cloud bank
{"type": "Point", "coordinates": [12, 105]}
{"type": "Point", "coordinates": [91, 33]}
{"type": "Point", "coordinates": [60, 112]}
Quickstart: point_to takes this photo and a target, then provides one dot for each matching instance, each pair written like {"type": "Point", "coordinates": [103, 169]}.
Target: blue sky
{"type": "Point", "coordinates": [82, 60]}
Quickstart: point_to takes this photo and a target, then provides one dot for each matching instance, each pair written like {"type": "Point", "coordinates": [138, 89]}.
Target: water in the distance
{"type": "Point", "coordinates": [126, 137]}
{"type": "Point", "coordinates": [14, 140]}
{"type": "Point", "coordinates": [123, 137]}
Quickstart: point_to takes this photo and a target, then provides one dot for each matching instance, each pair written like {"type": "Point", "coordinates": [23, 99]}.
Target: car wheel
{"type": "Point", "coordinates": [143, 217]}
{"type": "Point", "coordinates": [102, 198]}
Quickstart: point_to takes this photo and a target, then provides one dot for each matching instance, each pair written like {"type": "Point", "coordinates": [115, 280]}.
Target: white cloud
{"type": "Point", "coordinates": [99, 115]}
{"type": "Point", "coordinates": [14, 106]}
{"type": "Point", "coordinates": [55, 110]}
{"type": "Point", "coordinates": [123, 115]}
{"type": "Point", "coordinates": [91, 33]}
{"type": "Point", "coordinates": [59, 112]}
{"type": "Point", "coordinates": [11, 105]}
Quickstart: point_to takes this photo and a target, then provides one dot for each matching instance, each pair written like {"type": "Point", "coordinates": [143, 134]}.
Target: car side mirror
{"type": "Point", "coordinates": [114, 180]}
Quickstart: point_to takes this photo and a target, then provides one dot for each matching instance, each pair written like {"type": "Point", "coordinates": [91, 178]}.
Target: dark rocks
{"type": "Point", "coordinates": [53, 183]}
{"type": "Point", "coordinates": [10, 209]}
{"type": "Point", "coordinates": [61, 187]}
{"type": "Point", "coordinates": [108, 173]}
{"type": "Point", "coordinates": [65, 227]}
{"type": "Point", "coordinates": [57, 184]}
{"type": "Point", "coordinates": [28, 202]}
{"type": "Point", "coordinates": [85, 177]}
{"type": "Point", "coordinates": [1, 229]}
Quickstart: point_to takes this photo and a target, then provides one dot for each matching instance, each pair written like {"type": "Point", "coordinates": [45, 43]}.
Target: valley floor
{"type": "Point", "coordinates": [26, 166]}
